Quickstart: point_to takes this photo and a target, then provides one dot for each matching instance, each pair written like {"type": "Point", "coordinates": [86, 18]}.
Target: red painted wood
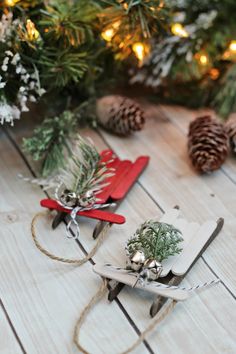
{"type": "Point", "coordinates": [93, 214]}
{"type": "Point", "coordinates": [121, 170]}
{"type": "Point", "coordinates": [106, 155]}
{"type": "Point", "coordinates": [129, 179]}
{"type": "Point", "coordinates": [106, 191]}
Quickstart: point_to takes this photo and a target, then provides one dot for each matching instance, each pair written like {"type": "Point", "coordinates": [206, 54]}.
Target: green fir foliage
{"type": "Point", "coordinates": [225, 99]}
{"type": "Point", "coordinates": [84, 171]}
{"type": "Point", "coordinates": [70, 24]}
{"type": "Point", "coordinates": [50, 141]}
{"type": "Point", "coordinates": [72, 58]}
{"type": "Point", "coordinates": [62, 69]}
{"type": "Point", "coordinates": [156, 239]}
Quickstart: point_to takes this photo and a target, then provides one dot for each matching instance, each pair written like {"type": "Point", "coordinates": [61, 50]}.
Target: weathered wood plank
{"type": "Point", "coordinates": [137, 303]}
{"type": "Point", "coordinates": [8, 342]}
{"type": "Point", "coordinates": [205, 323]}
{"type": "Point", "coordinates": [44, 298]}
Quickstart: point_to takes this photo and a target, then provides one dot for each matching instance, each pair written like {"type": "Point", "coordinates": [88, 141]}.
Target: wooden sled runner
{"type": "Point", "coordinates": [126, 174]}
{"type": "Point", "coordinates": [196, 239]}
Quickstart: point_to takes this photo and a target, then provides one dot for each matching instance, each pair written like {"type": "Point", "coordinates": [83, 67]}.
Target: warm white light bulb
{"type": "Point", "coordinates": [178, 30]}
{"type": "Point", "coordinates": [108, 34]}
{"type": "Point", "coordinates": [33, 33]}
{"type": "Point", "coordinates": [9, 3]}
{"type": "Point", "coordinates": [232, 46]}
{"type": "Point", "coordinates": [139, 50]}
{"type": "Point", "coordinates": [203, 59]}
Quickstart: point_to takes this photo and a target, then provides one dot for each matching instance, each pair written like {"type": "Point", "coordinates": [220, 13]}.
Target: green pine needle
{"type": "Point", "coordinates": [70, 24]}
{"type": "Point", "coordinates": [50, 141]}
{"type": "Point", "coordinates": [225, 99]}
{"type": "Point", "coordinates": [64, 68]}
{"type": "Point", "coordinates": [156, 239]}
{"type": "Point", "coordinates": [84, 170]}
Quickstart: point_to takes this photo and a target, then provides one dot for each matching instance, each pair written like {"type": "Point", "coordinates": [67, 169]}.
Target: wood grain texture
{"type": "Point", "coordinates": [206, 323]}
{"type": "Point", "coordinates": [8, 341]}
{"type": "Point", "coordinates": [43, 298]}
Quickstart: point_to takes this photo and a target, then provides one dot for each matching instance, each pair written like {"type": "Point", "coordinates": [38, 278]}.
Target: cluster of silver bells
{"type": "Point", "coordinates": [148, 269]}
{"type": "Point", "coordinates": [72, 200]}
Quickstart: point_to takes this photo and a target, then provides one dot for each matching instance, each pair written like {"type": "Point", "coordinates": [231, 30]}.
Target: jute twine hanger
{"type": "Point", "coordinates": [167, 308]}
{"type": "Point", "coordinates": [163, 313]}
{"type": "Point", "coordinates": [77, 262]}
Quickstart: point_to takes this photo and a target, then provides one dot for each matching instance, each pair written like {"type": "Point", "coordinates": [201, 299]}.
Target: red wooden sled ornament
{"type": "Point", "coordinates": [125, 175]}
{"type": "Point", "coordinates": [93, 214]}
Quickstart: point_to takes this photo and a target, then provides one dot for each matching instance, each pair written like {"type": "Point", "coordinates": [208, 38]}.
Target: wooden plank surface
{"type": "Point", "coordinates": [43, 298]}
{"type": "Point", "coordinates": [8, 341]}
{"type": "Point", "coordinates": [53, 294]}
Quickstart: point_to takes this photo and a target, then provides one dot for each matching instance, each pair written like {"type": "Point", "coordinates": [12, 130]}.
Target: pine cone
{"type": "Point", "coordinates": [230, 127]}
{"type": "Point", "coordinates": [207, 144]}
{"type": "Point", "coordinates": [120, 115]}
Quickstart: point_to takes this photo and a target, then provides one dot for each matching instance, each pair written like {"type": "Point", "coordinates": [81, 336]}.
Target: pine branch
{"type": "Point", "coordinates": [225, 98]}
{"type": "Point", "coordinates": [157, 240]}
{"type": "Point", "coordinates": [50, 141]}
{"type": "Point", "coordinates": [25, 4]}
{"type": "Point", "coordinates": [61, 68]}
{"type": "Point", "coordinates": [132, 21]}
{"type": "Point", "coordinates": [84, 171]}
{"type": "Point", "coordinates": [70, 24]}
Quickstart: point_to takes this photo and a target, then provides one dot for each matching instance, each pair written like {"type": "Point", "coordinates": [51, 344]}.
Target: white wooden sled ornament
{"type": "Point", "coordinates": [196, 238]}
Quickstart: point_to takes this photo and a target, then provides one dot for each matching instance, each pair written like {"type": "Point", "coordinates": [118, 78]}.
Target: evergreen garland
{"type": "Point", "coordinates": [225, 99]}
{"type": "Point", "coordinates": [84, 49]}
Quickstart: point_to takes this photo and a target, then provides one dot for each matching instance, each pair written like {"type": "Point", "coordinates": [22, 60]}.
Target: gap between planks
{"type": "Point", "coordinates": [78, 243]}
{"type": "Point", "coordinates": [12, 328]}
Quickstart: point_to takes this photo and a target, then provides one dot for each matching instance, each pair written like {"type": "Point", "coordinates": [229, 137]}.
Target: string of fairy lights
{"type": "Point", "coordinates": [140, 49]}
{"type": "Point", "coordinates": [178, 30]}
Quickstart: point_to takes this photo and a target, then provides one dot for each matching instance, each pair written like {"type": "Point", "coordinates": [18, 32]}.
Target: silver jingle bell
{"type": "Point", "coordinates": [68, 198]}
{"type": "Point", "coordinates": [87, 200]}
{"type": "Point", "coordinates": [136, 261]}
{"type": "Point", "coordinates": [151, 269]}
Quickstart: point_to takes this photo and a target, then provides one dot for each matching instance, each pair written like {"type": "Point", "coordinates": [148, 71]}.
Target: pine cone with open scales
{"type": "Point", "coordinates": [207, 144]}
{"type": "Point", "coordinates": [230, 127]}
{"type": "Point", "coordinates": [120, 115]}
